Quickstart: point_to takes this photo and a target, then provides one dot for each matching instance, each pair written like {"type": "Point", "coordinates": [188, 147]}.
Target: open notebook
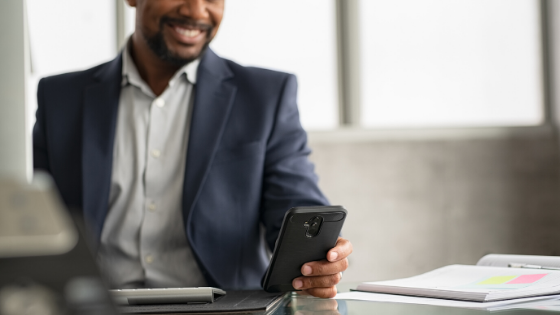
{"type": "Point", "coordinates": [490, 280]}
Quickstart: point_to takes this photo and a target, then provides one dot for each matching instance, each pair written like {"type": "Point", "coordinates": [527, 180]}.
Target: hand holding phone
{"type": "Point", "coordinates": [321, 277]}
{"type": "Point", "coordinates": [307, 235]}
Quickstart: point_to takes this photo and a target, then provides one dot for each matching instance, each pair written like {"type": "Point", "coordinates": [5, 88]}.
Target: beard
{"type": "Point", "coordinates": [159, 47]}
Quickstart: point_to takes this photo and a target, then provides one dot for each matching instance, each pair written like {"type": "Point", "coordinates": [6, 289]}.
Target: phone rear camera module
{"type": "Point", "coordinates": [313, 226]}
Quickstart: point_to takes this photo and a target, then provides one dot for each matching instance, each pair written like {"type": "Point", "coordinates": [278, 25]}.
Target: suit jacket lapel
{"type": "Point", "coordinates": [101, 102]}
{"type": "Point", "coordinates": [213, 100]}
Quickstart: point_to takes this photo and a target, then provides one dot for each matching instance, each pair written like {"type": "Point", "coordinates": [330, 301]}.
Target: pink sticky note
{"type": "Point", "coordinates": [527, 279]}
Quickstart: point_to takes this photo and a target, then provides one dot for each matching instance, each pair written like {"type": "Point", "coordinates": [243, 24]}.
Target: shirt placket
{"type": "Point", "coordinates": [155, 158]}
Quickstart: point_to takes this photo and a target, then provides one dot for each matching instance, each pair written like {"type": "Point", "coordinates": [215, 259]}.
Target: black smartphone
{"type": "Point", "coordinates": [307, 234]}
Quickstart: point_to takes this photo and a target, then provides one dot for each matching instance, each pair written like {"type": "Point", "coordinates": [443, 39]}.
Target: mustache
{"type": "Point", "coordinates": [186, 22]}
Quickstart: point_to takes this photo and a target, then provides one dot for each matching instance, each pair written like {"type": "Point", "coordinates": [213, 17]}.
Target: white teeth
{"type": "Point", "coordinates": [187, 33]}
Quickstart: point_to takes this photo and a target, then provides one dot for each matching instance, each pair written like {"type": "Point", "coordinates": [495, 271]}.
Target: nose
{"type": "Point", "coordinates": [195, 9]}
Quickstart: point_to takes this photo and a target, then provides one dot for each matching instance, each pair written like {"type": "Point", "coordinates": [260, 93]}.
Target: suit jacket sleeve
{"type": "Point", "coordinates": [289, 177]}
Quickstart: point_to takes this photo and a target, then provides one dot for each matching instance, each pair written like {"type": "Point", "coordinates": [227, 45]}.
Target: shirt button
{"type": "Point", "coordinates": [149, 259]}
{"type": "Point", "coordinates": [152, 207]}
{"type": "Point", "coordinates": [159, 102]}
{"type": "Point", "coordinates": [156, 153]}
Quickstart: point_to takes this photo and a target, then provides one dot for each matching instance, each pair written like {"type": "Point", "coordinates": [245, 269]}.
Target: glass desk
{"type": "Point", "coordinates": [297, 304]}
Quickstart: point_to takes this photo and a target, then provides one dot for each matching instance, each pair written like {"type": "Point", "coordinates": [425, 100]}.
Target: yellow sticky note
{"type": "Point", "coordinates": [497, 280]}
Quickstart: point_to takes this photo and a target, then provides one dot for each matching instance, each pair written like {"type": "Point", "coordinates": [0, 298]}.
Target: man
{"type": "Point", "coordinates": [177, 157]}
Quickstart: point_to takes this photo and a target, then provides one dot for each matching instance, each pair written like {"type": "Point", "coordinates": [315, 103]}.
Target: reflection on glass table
{"type": "Point", "coordinates": [306, 305]}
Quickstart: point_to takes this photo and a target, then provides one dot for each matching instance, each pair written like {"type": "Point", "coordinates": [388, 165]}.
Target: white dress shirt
{"type": "Point", "coordinates": [143, 242]}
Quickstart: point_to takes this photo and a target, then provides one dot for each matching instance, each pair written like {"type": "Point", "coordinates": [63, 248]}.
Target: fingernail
{"type": "Point", "coordinates": [333, 256]}
{"type": "Point", "coordinates": [306, 270]}
{"type": "Point", "coordinates": [298, 284]}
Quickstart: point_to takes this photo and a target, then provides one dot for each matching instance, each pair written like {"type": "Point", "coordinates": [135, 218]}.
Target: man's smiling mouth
{"type": "Point", "coordinates": [190, 33]}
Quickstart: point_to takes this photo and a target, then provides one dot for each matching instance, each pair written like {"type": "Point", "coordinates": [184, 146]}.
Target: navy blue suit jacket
{"type": "Point", "coordinates": [246, 163]}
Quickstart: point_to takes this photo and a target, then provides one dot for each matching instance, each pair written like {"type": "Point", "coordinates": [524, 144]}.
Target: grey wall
{"type": "Point", "coordinates": [418, 203]}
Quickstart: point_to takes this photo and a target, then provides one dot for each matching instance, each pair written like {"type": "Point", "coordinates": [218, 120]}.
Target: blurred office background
{"type": "Point", "coordinates": [433, 122]}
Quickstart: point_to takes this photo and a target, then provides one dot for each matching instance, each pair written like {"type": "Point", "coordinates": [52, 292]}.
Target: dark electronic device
{"type": "Point", "coordinates": [46, 267]}
{"type": "Point", "coordinates": [307, 234]}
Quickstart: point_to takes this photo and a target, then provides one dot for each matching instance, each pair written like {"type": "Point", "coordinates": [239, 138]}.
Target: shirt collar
{"type": "Point", "coordinates": [130, 74]}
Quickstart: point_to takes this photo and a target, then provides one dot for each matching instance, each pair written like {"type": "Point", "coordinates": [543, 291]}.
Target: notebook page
{"type": "Point", "coordinates": [458, 279]}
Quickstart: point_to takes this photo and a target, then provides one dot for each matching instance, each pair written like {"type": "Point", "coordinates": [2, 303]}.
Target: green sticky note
{"type": "Point", "coordinates": [497, 280]}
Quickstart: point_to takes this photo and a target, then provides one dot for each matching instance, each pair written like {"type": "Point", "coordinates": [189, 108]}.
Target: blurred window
{"type": "Point", "coordinates": [68, 35]}
{"type": "Point", "coordinates": [424, 63]}
{"type": "Point", "coordinates": [450, 63]}
{"type": "Point", "coordinates": [296, 36]}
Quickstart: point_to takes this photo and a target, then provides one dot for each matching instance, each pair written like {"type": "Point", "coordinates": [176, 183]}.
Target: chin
{"type": "Point", "coordinates": [188, 53]}
{"type": "Point", "coordinates": [173, 52]}
{"type": "Point", "coordinates": [192, 53]}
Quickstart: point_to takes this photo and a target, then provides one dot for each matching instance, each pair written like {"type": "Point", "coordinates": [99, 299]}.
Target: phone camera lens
{"type": "Point", "coordinates": [313, 226]}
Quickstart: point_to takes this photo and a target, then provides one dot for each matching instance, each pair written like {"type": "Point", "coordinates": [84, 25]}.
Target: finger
{"type": "Point", "coordinates": [303, 283]}
{"type": "Point", "coordinates": [323, 267]}
{"type": "Point", "coordinates": [326, 293]}
{"type": "Point", "coordinates": [341, 250]}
